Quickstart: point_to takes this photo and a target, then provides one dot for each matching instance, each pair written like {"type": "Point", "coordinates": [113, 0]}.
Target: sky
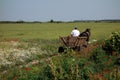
{"type": "Point", "coordinates": [59, 10]}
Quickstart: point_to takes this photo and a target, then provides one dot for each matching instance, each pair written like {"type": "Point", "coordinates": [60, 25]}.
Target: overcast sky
{"type": "Point", "coordinates": [59, 10]}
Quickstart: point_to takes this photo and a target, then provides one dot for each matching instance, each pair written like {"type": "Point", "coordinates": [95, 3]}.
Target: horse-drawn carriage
{"type": "Point", "coordinates": [75, 43]}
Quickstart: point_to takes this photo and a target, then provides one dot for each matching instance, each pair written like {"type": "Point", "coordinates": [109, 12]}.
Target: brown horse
{"type": "Point", "coordinates": [86, 33]}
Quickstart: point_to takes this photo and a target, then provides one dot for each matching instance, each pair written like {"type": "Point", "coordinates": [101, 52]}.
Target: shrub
{"type": "Point", "coordinates": [69, 67]}
{"type": "Point", "coordinates": [98, 56]}
{"type": "Point", "coordinates": [114, 42]}
{"type": "Point", "coordinates": [100, 59]}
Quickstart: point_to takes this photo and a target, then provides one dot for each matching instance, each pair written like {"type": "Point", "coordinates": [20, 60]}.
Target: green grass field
{"type": "Point", "coordinates": [38, 44]}
{"type": "Point", "coordinates": [54, 30]}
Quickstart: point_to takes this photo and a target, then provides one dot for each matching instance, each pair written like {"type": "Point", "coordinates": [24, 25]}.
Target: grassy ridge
{"type": "Point", "coordinates": [54, 30]}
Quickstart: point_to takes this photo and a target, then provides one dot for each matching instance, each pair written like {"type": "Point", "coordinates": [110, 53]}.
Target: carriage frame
{"type": "Point", "coordinates": [75, 43]}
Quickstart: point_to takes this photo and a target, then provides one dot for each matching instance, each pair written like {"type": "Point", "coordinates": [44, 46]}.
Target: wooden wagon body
{"type": "Point", "coordinates": [75, 43]}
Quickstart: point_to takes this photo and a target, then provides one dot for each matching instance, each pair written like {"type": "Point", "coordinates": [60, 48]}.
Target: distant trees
{"type": "Point", "coordinates": [20, 21]}
{"type": "Point", "coordinates": [53, 21]}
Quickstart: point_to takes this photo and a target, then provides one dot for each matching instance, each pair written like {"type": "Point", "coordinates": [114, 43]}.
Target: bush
{"type": "Point", "coordinates": [69, 67]}
{"type": "Point", "coordinates": [99, 58]}
{"type": "Point", "coordinates": [113, 43]}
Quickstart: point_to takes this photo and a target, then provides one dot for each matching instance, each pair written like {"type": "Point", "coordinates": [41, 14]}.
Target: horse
{"type": "Point", "coordinates": [86, 33]}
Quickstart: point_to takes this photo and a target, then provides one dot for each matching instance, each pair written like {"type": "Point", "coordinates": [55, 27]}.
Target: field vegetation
{"type": "Point", "coordinates": [28, 51]}
{"type": "Point", "coordinates": [54, 30]}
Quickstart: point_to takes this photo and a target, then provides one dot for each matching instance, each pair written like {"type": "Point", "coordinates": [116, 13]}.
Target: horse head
{"type": "Point", "coordinates": [86, 33]}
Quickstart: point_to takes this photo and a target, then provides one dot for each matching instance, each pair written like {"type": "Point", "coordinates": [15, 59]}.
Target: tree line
{"type": "Point", "coordinates": [53, 21]}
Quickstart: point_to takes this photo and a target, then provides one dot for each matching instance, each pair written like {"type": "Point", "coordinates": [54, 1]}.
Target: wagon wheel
{"type": "Point", "coordinates": [62, 49]}
{"type": "Point", "coordinates": [77, 48]}
{"type": "Point", "coordinates": [81, 47]}
{"type": "Point", "coordinates": [85, 45]}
